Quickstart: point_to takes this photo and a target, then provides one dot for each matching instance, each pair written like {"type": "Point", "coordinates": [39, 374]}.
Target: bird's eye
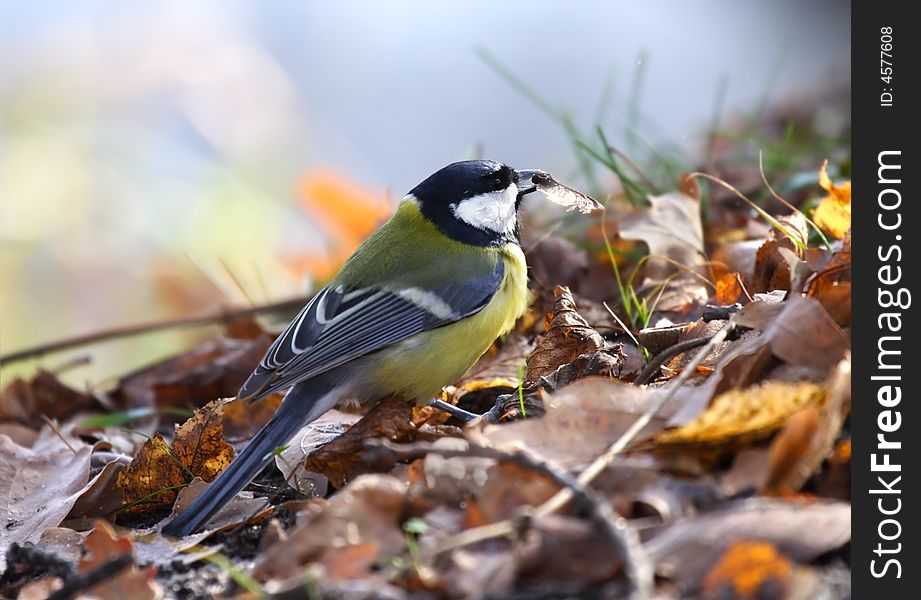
{"type": "Point", "coordinates": [497, 183]}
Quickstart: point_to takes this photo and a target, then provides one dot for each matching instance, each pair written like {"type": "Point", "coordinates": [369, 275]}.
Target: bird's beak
{"type": "Point", "coordinates": [526, 183]}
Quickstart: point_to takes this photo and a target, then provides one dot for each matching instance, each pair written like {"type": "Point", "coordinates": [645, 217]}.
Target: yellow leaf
{"type": "Point", "coordinates": [744, 414]}
{"type": "Point", "coordinates": [833, 214]}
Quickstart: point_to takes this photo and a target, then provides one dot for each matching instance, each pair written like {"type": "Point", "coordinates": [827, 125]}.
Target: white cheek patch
{"type": "Point", "coordinates": [494, 211]}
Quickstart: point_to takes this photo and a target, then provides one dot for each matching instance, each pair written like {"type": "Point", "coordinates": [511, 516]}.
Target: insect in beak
{"type": "Point", "coordinates": [533, 180]}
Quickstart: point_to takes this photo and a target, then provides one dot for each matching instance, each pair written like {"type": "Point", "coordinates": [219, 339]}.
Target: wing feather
{"type": "Point", "coordinates": [339, 325]}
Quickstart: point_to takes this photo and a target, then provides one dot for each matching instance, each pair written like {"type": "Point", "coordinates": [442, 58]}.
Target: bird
{"type": "Point", "coordinates": [416, 305]}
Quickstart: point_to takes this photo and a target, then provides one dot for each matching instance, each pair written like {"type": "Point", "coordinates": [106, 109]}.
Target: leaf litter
{"type": "Point", "coordinates": [739, 455]}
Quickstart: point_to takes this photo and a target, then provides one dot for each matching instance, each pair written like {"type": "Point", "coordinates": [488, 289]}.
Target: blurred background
{"type": "Point", "coordinates": [165, 159]}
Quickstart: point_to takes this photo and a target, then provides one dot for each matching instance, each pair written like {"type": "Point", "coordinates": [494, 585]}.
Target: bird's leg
{"type": "Point", "coordinates": [454, 411]}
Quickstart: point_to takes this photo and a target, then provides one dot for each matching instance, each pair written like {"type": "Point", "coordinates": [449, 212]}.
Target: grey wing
{"type": "Point", "coordinates": [339, 325]}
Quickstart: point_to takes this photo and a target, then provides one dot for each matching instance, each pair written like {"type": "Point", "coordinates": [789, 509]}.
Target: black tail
{"type": "Point", "coordinates": [288, 420]}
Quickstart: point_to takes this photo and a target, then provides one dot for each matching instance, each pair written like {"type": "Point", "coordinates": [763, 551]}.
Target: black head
{"type": "Point", "coordinates": [473, 201]}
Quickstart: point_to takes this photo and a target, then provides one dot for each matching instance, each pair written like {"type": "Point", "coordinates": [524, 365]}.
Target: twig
{"type": "Point", "coordinates": [624, 539]}
{"type": "Point", "coordinates": [588, 475]}
{"type": "Point", "coordinates": [656, 363]}
{"type": "Point", "coordinates": [85, 581]}
{"type": "Point", "coordinates": [57, 432]}
{"type": "Point", "coordinates": [223, 316]}
{"type": "Point", "coordinates": [644, 578]}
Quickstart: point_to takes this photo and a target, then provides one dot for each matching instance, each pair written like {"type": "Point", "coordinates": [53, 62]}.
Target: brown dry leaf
{"type": "Point", "coordinates": [199, 443]}
{"type": "Point", "coordinates": [787, 449]}
{"type": "Point", "coordinates": [104, 545]}
{"type": "Point", "coordinates": [159, 469]}
{"type": "Point", "coordinates": [20, 434]}
{"type": "Point", "coordinates": [507, 488]}
{"type": "Point", "coordinates": [26, 401]}
{"type": "Point", "coordinates": [553, 259]}
{"type": "Point", "coordinates": [684, 551]}
{"type": "Point", "coordinates": [746, 570]}
{"type": "Point", "coordinates": [779, 262]}
{"type": "Point", "coordinates": [39, 485]}
{"type": "Point", "coordinates": [740, 416]}
{"type": "Point", "coordinates": [582, 420]}
{"type": "Point", "coordinates": [738, 257]}
{"type": "Point", "coordinates": [474, 573]}
{"type": "Point", "coordinates": [567, 337]}
{"type": "Point", "coordinates": [832, 285]}
{"type": "Point", "coordinates": [833, 214]}
{"type": "Point", "coordinates": [809, 437]}
{"type": "Point", "coordinates": [244, 418]}
{"type": "Point", "coordinates": [834, 480]}
{"type": "Point", "coordinates": [369, 511]}
{"type": "Point", "coordinates": [671, 227]}
{"type": "Point", "coordinates": [215, 369]}
{"type": "Point", "coordinates": [569, 550]}
{"type": "Point", "coordinates": [342, 459]}
{"type": "Point", "coordinates": [798, 331]}
{"type": "Point", "coordinates": [101, 499]}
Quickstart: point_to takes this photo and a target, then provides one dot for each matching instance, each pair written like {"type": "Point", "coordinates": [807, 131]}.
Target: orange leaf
{"type": "Point", "coordinates": [728, 289]}
{"type": "Point", "coordinates": [351, 211]}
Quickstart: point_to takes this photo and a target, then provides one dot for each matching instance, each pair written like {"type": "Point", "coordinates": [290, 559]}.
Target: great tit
{"type": "Point", "coordinates": [413, 308]}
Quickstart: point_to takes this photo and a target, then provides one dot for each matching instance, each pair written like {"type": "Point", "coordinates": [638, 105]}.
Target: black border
{"type": "Point", "coordinates": [877, 128]}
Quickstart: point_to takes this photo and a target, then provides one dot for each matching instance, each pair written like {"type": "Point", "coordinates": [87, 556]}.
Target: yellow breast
{"type": "Point", "coordinates": [419, 367]}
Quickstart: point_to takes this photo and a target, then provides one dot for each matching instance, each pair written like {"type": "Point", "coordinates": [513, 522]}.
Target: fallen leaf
{"type": "Point", "coordinates": [342, 459]}
{"type": "Point", "coordinates": [101, 499]}
{"type": "Point", "coordinates": [739, 416]}
{"type": "Point", "coordinates": [214, 369]}
{"type": "Point", "coordinates": [779, 260]}
{"type": "Point", "coordinates": [567, 337]}
{"type": "Point", "coordinates": [103, 545]}
{"type": "Point", "coordinates": [684, 551]}
{"type": "Point", "coordinates": [798, 331]}
{"type": "Point", "coordinates": [368, 511]}
{"type": "Point", "coordinates": [833, 214]}
{"type": "Point", "coordinates": [291, 460]}
{"type": "Point", "coordinates": [240, 509]}
{"type": "Point", "coordinates": [244, 418]}
{"type": "Point", "coordinates": [506, 489]}
{"type": "Point", "coordinates": [583, 419]}
{"type": "Point", "coordinates": [832, 284]}
{"type": "Point", "coordinates": [157, 472]}
{"type": "Point", "coordinates": [569, 550]}
{"type": "Point", "coordinates": [26, 401]}
{"type": "Point", "coordinates": [671, 227]}
{"type": "Point", "coordinates": [728, 289]}
{"type": "Point", "coordinates": [39, 485]}
{"type": "Point", "coordinates": [787, 449]}
{"type": "Point", "coordinates": [809, 436]}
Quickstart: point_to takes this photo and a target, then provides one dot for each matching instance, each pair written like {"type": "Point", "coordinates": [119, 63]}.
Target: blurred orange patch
{"type": "Point", "coordinates": [347, 214]}
{"type": "Point", "coordinates": [746, 568]}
